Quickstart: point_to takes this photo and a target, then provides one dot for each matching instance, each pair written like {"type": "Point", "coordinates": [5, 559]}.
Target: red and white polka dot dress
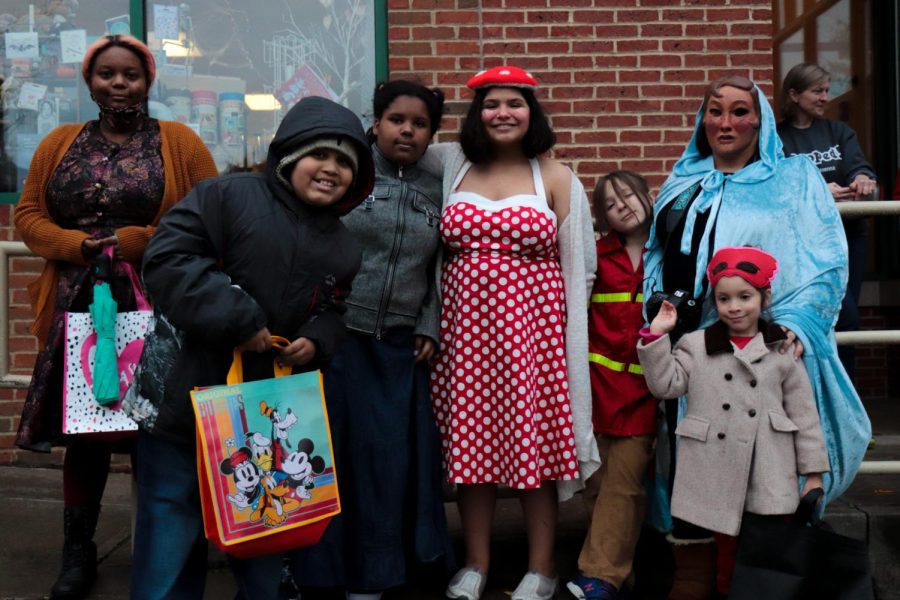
{"type": "Point", "coordinates": [499, 383]}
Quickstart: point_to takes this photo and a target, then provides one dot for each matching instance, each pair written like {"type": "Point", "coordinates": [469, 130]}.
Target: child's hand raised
{"type": "Point", "coordinates": [299, 352]}
{"type": "Point", "coordinates": [665, 319]}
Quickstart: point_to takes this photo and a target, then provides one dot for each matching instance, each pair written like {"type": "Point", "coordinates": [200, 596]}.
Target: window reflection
{"type": "Point", "coordinates": [833, 46]}
{"type": "Point", "coordinates": [230, 69]}
{"type": "Point", "coordinates": [790, 52]}
{"type": "Point", "coordinates": [43, 43]}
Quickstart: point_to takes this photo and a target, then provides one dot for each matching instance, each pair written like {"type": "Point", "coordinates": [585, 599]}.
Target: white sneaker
{"type": "Point", "coordinates": [467, 584]}
{"type": "Point", "coordinates": [535, 586]}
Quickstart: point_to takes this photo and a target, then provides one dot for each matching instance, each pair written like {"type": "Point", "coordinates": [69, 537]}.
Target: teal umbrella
{"type": "Point", "coordinates": [103, 310]}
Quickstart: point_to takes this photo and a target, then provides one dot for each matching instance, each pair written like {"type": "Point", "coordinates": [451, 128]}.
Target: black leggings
{"type": "Point", "coordinates": [85, 471]}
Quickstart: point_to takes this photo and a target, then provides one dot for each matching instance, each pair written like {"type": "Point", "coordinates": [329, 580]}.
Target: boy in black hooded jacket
{"type": "Point", "coordinates": [242, 258]}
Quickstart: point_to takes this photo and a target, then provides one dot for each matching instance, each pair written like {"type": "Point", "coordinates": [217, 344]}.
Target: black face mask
{"type": "Point", "coordinates": [120, 118]}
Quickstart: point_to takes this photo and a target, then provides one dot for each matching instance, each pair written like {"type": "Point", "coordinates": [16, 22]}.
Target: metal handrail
{"type": "Point", "coordinates": [869, 208]}
{"type": "Point", "coordinates": [864, 209]}
{"type": "Point", "coordinates": [8, 379]}
{"type": "Point", "coordinates": [881, 337]}
{"type": "Point", "coordinates": [861, 209]}
{"type": "Point", "coordinates": [879, 467]}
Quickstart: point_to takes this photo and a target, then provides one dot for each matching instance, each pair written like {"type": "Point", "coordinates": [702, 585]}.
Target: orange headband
{"type": "Point", "coordinates": [107, 41]}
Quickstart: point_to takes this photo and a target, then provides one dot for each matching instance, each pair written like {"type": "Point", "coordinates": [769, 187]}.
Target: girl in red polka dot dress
{"type": "Point", "coordinates": [500, 384]}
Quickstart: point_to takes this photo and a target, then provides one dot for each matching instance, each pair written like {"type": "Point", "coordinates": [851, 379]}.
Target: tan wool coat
{"type": "Point", "coordinates": [750, 428]}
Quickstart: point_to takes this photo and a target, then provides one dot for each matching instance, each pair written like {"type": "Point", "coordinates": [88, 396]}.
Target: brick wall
{"type": "Point", "coordinates": [22, 346]}
{"type": "Point", "coordinates": [878, 367]}
{"type": "Point", "coordinates": [621, 79]}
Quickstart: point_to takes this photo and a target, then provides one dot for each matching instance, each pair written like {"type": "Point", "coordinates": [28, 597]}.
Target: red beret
{"type": "Point", "coordinates": [503, 76]}
{"type": "Point", "coordinates": [754, 266]}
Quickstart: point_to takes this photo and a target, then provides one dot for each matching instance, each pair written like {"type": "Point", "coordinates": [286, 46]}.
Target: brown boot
{"type": "Point", "coordinates": [695, 569]}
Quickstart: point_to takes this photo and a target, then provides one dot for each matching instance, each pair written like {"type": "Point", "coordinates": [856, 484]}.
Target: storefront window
{"type": "Point", "coordinates": [231, 69]}
{"type": "Point", "coordinates": [790, 52]}
{"type": "Point", "coordinates": [43, 44]}
{"type": "Point", "coordinates": [833, 46]}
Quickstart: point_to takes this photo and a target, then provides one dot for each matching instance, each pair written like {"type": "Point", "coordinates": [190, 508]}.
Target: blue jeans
{"type": "Point", "coordinates": [169, 544]}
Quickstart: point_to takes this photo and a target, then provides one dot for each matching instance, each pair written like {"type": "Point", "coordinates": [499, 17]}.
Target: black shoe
{"type": "Point", "coordinates": [79, 565]}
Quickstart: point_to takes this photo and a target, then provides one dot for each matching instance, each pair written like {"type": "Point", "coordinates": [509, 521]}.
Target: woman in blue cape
{"type": "Point", "coordinates": [733, 186]}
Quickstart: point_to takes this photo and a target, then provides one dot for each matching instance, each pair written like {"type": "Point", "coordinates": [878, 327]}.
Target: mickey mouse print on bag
{"type": "Point", "coordinates": [267, 470]}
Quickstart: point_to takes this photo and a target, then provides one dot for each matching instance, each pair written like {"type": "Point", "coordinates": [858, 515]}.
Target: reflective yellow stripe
{"type": "Point", "coordinates": [606, 362]}
{"type": "Point", "coordinates": [616, 297]}
{"type": "Point", "coordinates": [613, 365]}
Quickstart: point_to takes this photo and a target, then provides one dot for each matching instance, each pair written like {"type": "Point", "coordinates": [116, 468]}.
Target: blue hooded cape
{"type": "Point", "coordinates": [783, 206]}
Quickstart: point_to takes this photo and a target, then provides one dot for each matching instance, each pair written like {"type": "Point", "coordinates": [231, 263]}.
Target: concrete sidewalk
{"type": "Point", "coordinates": [31, 540]}
{"type": "Point", "coordinates": [31, 533]}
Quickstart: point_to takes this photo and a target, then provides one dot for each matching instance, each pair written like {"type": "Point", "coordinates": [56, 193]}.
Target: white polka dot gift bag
{"type": "Point", "coordinates": [82, 414]}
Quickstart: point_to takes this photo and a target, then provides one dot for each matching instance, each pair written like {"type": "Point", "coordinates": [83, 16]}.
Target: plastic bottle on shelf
{"type": "Point", "coordinates": [204, 113]}
{"type": "Point", "coordinates": [231, 118]}
{"type": "Point", "coordinates": [180, 103]}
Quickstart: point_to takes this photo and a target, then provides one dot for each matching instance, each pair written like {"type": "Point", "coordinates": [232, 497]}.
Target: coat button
{"type": "Point", "coordinates": [726, 406]}
{"type": "Point", "coordinates": [727, 376]}
{"type": "Point", "coordinates": [752, 383]}
{"type": "Point", "coordinates": [721, 436]}
{"type": "Point", "coordinates": [752, 412]}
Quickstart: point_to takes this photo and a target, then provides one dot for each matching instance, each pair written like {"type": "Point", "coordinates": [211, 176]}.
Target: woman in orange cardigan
{"type": "Point", "coordinates": [103, 183]}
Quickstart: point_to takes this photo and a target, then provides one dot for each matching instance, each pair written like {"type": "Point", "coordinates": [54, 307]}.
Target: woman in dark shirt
{"type": "Point", "coordinates": [103, 183]}
{"type": "Point", "coordinates": [834, 149]}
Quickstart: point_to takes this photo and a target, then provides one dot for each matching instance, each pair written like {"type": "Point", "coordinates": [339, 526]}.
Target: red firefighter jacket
{"type": "Point", "coordinates": [622, 404]}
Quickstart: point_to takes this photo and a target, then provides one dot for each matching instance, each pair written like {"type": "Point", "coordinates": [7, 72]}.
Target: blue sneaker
{"type": "Point", "coordinates": [591, 588]}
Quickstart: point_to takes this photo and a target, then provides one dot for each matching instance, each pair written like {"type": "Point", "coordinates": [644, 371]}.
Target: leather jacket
{"type": "Point", "coordinates": [398, 229]}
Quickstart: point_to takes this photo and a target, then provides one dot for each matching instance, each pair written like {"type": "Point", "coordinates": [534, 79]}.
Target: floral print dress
{"type": "Point", "coordinates": [98, 187]}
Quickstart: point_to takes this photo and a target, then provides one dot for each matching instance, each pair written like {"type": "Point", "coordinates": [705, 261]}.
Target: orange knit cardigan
{"type": "Point", "coordinates": [186, 161]}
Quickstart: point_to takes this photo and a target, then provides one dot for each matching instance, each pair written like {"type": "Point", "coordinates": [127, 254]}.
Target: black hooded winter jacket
{"type": "Point", "coordinates": [241, 252]}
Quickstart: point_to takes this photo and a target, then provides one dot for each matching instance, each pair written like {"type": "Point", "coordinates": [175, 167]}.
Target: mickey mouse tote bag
{"type": "Point", "coordinates": [266, 468]}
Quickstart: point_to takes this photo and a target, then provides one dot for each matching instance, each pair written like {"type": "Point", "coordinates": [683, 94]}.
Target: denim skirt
{"type": "Point", "coordinates": [388, 465]}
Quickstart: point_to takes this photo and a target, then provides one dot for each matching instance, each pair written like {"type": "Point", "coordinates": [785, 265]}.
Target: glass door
{"type": "Point", "coordinates": [230, 69]}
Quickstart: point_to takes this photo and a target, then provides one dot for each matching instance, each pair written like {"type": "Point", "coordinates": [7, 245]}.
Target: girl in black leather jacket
{"type": "Point", "coordinates": [386, 442]}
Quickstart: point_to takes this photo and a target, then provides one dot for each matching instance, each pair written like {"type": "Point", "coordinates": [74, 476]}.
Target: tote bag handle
{"type": "Point", "coordinates": [806, 510]}
{"type": "Point", "coordinates": [140, 298]}
{"type": "Point", "coordinates": [236, 372]}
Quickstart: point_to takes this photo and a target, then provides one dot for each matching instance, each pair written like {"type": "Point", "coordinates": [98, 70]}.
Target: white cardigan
{"type": "Point", "coordinates": [578, 261]}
